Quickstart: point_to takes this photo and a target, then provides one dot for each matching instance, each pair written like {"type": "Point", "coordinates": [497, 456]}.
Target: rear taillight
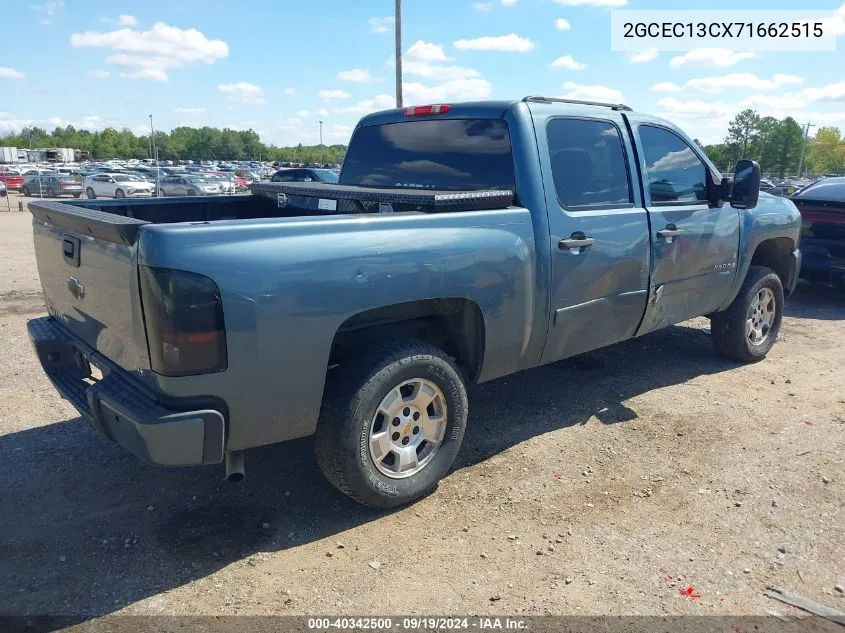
{"type": "Point", "coordinates": [427, 110]}
{"type": "Point", "coordinates": [183, 314]}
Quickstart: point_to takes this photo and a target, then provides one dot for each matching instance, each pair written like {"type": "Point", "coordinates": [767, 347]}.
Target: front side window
{"type": "Point", "coordinates": [588, 163]}
{"type": "Point", "coordinates": [674, 172]}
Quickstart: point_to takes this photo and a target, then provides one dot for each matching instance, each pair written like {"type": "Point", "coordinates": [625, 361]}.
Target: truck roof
{"type": "Point", "coordinates": [496, 109]}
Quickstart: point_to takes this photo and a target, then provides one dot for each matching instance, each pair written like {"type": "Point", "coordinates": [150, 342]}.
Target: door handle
{"type": "Point", "coordinates": [669, 231]}
{"type": "Point", "coordinates": [575, 242]}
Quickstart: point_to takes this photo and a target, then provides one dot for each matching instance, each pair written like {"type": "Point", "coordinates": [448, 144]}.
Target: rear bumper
{"type": "Point", "coordinates": [120, 408]}
{"type": "Point", "coordinates": [823, 258]}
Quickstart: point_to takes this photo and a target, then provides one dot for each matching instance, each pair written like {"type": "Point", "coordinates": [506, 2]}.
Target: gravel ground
{"type": "Point", "coordinates": [608, 484]}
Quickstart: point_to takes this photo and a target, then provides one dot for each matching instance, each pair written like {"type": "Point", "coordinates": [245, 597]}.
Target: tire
{"type": "Point", "coordinates": [161, 193]}
{"type": "Point", "coordinates": [89, 193]}
{"type": "Point", "coordinates": [729, 329]}
{"type": "Point", "coordinates": [50, 193]}
{"type": "Point", "coordinates": [191, 192]}
{"type": "Point", "coordinates": [350, 412]}
{"type": "Point", "coordinates": [26, 192]}
{"type": "Point", "coordinates": [119, 193]}
{"type": "Point", "coordinates": [76, 195]}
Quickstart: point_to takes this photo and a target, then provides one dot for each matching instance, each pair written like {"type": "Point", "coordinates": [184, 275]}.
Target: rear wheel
{"type": "Point", "coordinates": [119, 194]}
{"type": "Point", "coordinates": [191, 192]}
{"type": "Point", "coordinates": [26, 192]}
{"type": "Point", "coordinates": [76, 195]}
{"type": "Point", "coordinates": [748, 329]}
{"type": "Point", "coordinates": [50, 193]}
{"type": "Point", "coordinates": [89, 193]}
{"type": "Point", "coordinates": [391, 424]}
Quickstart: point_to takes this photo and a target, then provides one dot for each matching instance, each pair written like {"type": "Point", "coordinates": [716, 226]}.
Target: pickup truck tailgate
{"type": "Point", "coordinates": [87, 262]}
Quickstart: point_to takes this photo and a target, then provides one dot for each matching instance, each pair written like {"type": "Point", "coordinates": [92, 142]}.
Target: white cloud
{"type": "Point", "coordinates": [835, 24]}
{"type": "Point", "coordinates": [356, 75]}
{"type": "Point", "coordinates": [787, 79]}
{"type": "Point", "coordinates": [426, 52]}
{"type": "Point", "coordinates": [672, 107]}
{"type": "Point", "coordinates": [242, 92]}
{"type": "Point", "coordinates": [786, 103]}
{"type": "Point", "coordinates": [732, 81]}
{"type": "Point", "coordinates": [381, 25]}
{"type": "Point", "coordinates": [591, 3]}
{"type": "Point", "coordinates": [148, 54]}
{"type": "Point", "coordinates": [329, 95]}
{"type": "Point", "coordinates": [380, 102]}
{"type": "Point", "coordinates": [10, 73]}
{"type": "Point", "coordinates": [122, 20]}
{"type": "Point", "coordinates": [592, 93]}
{"type": "Point", "coordinates": [482, 6]}
{"type": "Point", "coordinates": [189, 110]}
{"type": "Point", "coordinates": [568, 62]}
{"type": "Point", "coordinates": [665, 86]}
{"type": "Point", "coordinates": [99, 74]}
{"type": "Point", "coordinates": [290, 91]}
{"type": "Point", "coordinates": [829, 92]}
{"type": "Point", "coordinates": [460, 90]}
{"type": "Point", "coordinates": [322, 112]}
{"type": "Point", "coordinates": [11, 124]}
{"type": "Point", "coordinates": [713, 57]}
{"type": "Point", "coordinates": [641, 57]}
{"type": "Point", "coordinates": [509, 3]}
{"type": "Point", "coordinates": [49, 9]}
{"type": "Point", "coordinates": [303, 114]}
{"type": "Point", "coordinates": [562, 24]}
{"type": "Point", "coordinates": [511, 43]}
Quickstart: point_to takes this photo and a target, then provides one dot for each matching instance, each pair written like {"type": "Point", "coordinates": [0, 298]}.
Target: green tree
{"type": "Point", "coordinates": [826, 153]}
{"type": "Point", "coordinates": [743, 131]}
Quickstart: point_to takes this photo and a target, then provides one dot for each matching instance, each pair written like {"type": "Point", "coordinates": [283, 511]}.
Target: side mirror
{"type": "Point", "coordinates": [746, 185]}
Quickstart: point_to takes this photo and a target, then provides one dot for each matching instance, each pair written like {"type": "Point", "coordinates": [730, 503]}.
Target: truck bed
{"type": "Point", "coordinates": [119, 220]}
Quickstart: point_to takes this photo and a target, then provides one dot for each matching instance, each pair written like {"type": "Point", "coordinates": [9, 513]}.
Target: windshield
{"type": "Point", "coordinates": [326, 175]}
{"type": "Point", "coordinates": [451, 154]}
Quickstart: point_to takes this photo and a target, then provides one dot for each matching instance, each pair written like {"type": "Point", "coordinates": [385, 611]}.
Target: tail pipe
{"type": "Point", "coordinates": [235, 467]}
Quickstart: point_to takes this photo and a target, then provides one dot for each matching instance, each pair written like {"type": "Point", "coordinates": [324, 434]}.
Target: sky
{"type": "Point", "coordinates": [281, 66]}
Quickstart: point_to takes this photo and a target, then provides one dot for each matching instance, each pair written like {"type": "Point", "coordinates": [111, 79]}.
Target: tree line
{"type": "Point", "coordinates": [181, 143]}
{"type": "Point", "coordinates": [778, 144]}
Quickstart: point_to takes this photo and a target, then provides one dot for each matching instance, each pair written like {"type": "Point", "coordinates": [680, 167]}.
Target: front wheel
{"type": "Point", "coordinates": [749, 327]}
{"type": "Point", "coordinates": [391, 424]}
{"type": "Point", "coordinates": [119, 194]}
{"type": "Point", "coordinates": [89, 193]}
{"type": "Point", "coordinates": [191, 192]}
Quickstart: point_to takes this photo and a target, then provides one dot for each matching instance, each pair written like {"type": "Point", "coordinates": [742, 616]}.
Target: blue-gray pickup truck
{"type": "Point", "coordinates": [464, 242]}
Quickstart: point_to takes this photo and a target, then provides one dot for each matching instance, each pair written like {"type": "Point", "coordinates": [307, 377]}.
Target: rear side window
{"type": "Point", "coordinates": [448, 154]}
{"type": "Point", "coordinates": [675, 173]}
{"type": "Point", "coordinates": [588, 163]}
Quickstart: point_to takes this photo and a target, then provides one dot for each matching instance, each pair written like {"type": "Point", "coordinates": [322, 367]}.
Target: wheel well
{"type": "Point", "coordinates": [454, 325]}
{"type": "Point", "coordinates": [775, 254]}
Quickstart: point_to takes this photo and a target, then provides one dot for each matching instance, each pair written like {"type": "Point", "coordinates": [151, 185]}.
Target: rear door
{"type": "Point", "coordinates": [598, 226]}
{"type": "Point", "coordinates": [694, 243]}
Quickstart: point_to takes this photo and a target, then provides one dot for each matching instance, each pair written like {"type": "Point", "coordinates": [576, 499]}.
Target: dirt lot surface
{"type": "Point", "coordinates": [608, 484]}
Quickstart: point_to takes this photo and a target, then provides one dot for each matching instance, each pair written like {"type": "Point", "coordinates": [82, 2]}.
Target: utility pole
{"type": "Point", "coordinates": [804, 146]}
{"type": "Point", "coordinates": [398, 29]}
{"type": "Point", "coordinates": [154, 150]}
{"type": "Point", "coordinates": [321, 132]}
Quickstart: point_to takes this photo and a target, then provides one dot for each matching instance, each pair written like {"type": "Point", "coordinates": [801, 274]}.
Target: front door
{"type": "Point", "coordinates": [598, 228]}
{"type": "Point", "coordinates": [694, 242]}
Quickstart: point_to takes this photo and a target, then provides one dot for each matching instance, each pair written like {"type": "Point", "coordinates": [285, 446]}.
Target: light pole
{"type": "Point", "coordinates": [155, 151]}
{"type": "Point", "coordinates": [398, 29]}
{"type": "Point", "coordinates": [804, 146]}
{"type": "Point", "coordinates": [321, 132]}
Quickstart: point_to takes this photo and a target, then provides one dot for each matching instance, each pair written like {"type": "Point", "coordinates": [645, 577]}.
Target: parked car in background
{"type": "Point", "coordinates": [766, 185]}
{"type": "Point", "coordinates": [822, 207]}
{"type": "Point", "coordinates": [227, 184]}
{"type": "Point", "coordinates": [3, 192]}
{"type": "Point", "coordinates": [30, 174]}
{"type": "Point", "coordinates": [113, 185]}
{"type": "Point", "coordinates": [11, 178]}
{"type": "Point", "coordinates": [305, 175]}
{"type": "Point", "coordinates": [188, 185]}
{"type": "Point", "coordinates": [53, 186]}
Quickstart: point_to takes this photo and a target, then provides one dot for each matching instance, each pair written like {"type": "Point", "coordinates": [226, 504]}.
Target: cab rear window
{"type": "Point", "coordinates": [446, 154]}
